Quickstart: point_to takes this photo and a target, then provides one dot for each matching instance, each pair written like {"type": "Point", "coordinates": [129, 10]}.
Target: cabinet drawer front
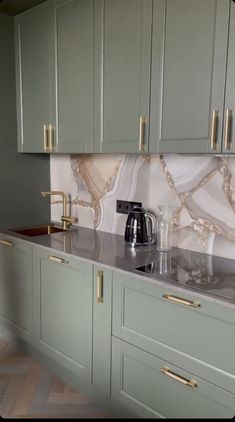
{"type": "Point", "coordinates": [139, 383]}
{"type": "Point", "coordinates": [142, 316]}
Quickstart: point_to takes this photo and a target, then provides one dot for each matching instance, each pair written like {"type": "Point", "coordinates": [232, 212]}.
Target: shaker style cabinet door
{"type": "Point", "coordinates": [189, 54]}
{"type": "Point", "coordinates": [74, 22]}
{"type": "Point", "coordinates": [122, 61]}
{"type": "Point", "coordinates": [34, 40]}
{"type": "Point", "coordinates": [63, 310]}
{"type": "Point", "coordinates": [16, 287]}
{"type": "Point", "coordinates": [102, 313]}
{"type": "Point", "coordinates": [229, 109]}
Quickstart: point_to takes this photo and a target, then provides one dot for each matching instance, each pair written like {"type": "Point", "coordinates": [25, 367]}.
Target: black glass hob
{"type": "Point", "coordinates": [210, 274]}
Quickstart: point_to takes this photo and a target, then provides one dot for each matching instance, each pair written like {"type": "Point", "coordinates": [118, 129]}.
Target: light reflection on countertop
{"type": "Point", "coordinates": [207, 274]}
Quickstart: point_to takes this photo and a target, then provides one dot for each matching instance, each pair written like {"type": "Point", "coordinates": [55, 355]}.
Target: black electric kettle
{"type": "Point", "coordinates": [139, 227]}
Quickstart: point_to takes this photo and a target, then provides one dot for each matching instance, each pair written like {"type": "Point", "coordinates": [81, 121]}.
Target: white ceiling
{"type": "Point", "coordinates": [13, 7]}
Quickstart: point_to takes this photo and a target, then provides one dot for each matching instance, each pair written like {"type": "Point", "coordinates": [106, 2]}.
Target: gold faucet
{"type": "Point", "coordinates": [67, 220]}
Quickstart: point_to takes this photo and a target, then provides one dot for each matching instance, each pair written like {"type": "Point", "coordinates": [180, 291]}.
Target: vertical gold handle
{"type": "Point", "coordinates": [45, 138]}
{"type": "Point", "coordinates": [143, 120]}
{"type": "Point", "coordinates": [190, 383]}
{"type": "Point", "coordinates": [228, 129]}
{"type": "Point", "coordinates": [6, 242]}
{"type": "Point", "coordinates": [100, 287]}
{"type": "Point", "coordinates": [214, 129]}
{"type": "Point", "coordinates": [51, 138]}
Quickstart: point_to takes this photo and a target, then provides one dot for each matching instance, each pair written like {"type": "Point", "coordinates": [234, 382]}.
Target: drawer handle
{"type": "Point", "coordinates": [59, 260]}
{"type": "Point", "coordinates": [6, 242]}
{"type": "Point", "coordinates": [190, 383]}
{"type": "Point", "coordinates": [181, 301]}
{"type": "Point", "coordinates": [100, 287]}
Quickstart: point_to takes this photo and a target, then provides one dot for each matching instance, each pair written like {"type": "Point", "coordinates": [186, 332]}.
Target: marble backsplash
{"type": "Point", "coordinates": [202, 188]}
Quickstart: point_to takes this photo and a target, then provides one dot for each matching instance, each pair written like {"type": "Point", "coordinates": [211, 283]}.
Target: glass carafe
{"type": "Point", "coordinates": [164, 228]}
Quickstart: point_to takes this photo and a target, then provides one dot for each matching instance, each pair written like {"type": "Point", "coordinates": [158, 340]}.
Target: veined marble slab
{"type": "Point", "coordinates": [202, 188]}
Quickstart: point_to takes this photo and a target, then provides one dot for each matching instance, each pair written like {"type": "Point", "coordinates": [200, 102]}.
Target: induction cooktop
{"type": "Point", "coordinates": [210, 274]}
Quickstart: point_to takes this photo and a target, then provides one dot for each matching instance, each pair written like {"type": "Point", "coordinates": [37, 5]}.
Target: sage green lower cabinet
{"type": "Point", "coordinates": [16, 287]}
{"type": "Point", "coordinates": [154, 387]}
{"type": "Point", "coordinates": [147, 315]}
{"type": "Point", "coordinates": [160, 325]}
{"type": "Point", "coordinates": [63, 310]}
{"type": "Point", "coordinates": [102, 329]}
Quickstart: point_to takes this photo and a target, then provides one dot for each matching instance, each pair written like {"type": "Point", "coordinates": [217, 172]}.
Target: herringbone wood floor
{"type": "Point", "coordinates": [27, 390]}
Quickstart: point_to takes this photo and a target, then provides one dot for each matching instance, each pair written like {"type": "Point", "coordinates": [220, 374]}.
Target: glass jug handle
{"type": "Point", "coordinates": [150, 220]}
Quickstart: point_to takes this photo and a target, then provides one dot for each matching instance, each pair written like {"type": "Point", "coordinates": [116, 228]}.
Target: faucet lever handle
{"type": "Point", "coordinates": [69, 220]}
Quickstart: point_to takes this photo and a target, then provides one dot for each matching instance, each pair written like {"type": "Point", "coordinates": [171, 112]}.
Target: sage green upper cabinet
{"type": "Point", "coordinates": [229, 109]}
{"type": "Point", "coordinates": [54, 71]}
{"type": "Point", "coordinates": [189, 55]}
{"type": "Point", "coordinates": [34, 41]}
{"type": "Point", "coordinates": [122, 62]}
{"type": "Point", "coordinates": [16, 287]}
{"type": "Point", "coordinates": [74, 68]}
{"type": "Point", "coordinates": [63, 310]}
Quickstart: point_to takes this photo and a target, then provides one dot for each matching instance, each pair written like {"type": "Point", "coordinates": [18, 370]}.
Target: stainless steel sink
{"type": "Point", "coordinates": [38, 230]}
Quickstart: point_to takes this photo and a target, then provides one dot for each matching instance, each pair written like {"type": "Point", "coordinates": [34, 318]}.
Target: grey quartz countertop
{"type": "Point", "coordinates": [201, 273]}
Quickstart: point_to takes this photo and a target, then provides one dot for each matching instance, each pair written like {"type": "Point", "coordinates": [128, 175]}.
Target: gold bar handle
{"type": "Point", "coordinates": [143, 120]}
{"type": "Point", "coordinates": [57, 259]}
{"type": "Point", "coordinates": [181, 301]}
{"type": "Point", "coordinates": [190, 383]}
{"type": "Point", "coordinates": [51, 138]}
{"type": "Point", "coordinates": [6, 242]}
{"type": "Point", "coordinates": [45, 138]}
{"type": "Point", "coordinates": [100, 287]}
{"type": "Point", "coordinates": [228, 129]}
{"type": "Point", "coordinates": [214, 129]}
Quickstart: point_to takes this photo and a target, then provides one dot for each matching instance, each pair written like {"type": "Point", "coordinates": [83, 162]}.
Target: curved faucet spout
{"type": "Point", "coordinates": [66, 219]}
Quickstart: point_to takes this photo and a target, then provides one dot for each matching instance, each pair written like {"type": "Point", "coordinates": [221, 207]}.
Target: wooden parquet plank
{"type": "Point", "coordinates": [25, 397]}
{"type": "Point", "coordinates": [57, 386]}
{"type": "Point", "coordinates": [8, 401]}
{"type": "Point", "coordinates": [68, 398]}
{"type": "Point", "coordinates": [27, 390]}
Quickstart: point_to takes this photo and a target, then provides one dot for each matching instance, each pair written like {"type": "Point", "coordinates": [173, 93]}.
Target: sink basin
{"type": "Point", "coordinates": [39, 230]}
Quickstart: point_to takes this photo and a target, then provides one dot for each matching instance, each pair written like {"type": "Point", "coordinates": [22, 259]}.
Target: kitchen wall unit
{"type": "Point", "coordinates": [188, 75]}
{"type": "Point", "coordinates": [21, 176]}
{"type": "Point", "coordinates": [63, 310]}
{"type": "Point", "coordinates": [16, 287]}
{"type": "Point", "coordinates": [74, 44]}
{"type": "Point", "coordinates": [95, 95]}
{"type": "Point", "coordinates": [54, 62]}
{"type": "Point", "coordinates": [35, 78]}
{"type": "Point", "coordinates": [229, 106]}
{"type": "Point", "coordinates": [123, 52]}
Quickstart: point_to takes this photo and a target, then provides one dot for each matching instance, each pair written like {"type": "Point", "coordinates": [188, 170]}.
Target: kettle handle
{"type": "Point", "coordinates": [151, 218]}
